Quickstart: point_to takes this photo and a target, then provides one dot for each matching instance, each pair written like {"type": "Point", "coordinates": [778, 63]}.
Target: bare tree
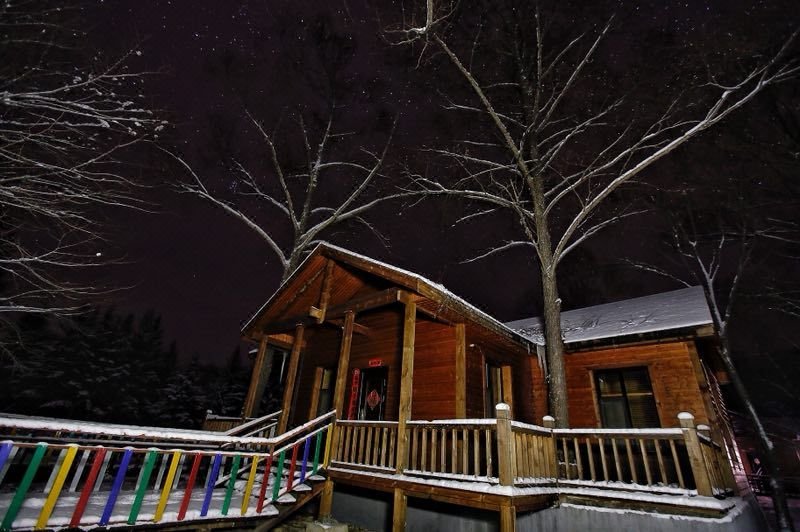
{"type": "Point", "coordinates": [718, 240]}
{"type": "Point", "coordinates": [551, 155]}
{"type": "Point", "coordinates": [313, 194]}
{"type": "Point", "coordinates": [65, 120]}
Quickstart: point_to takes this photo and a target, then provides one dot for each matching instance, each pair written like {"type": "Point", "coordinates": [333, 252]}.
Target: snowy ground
{"type": "Point", "coordinates": [794, 507]}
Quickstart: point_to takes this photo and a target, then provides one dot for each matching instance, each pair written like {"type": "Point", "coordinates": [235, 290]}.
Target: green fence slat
{"type": "Point", "coordinates": [149, 462]}
{"type": "Point", "coordinates": [22, 490]}
{"type": "Point", "coordinates": [231, 482]}
{"type": "Point", "coordinates": [276, 488]}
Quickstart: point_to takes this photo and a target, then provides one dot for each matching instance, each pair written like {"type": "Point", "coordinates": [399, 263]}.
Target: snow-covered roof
{"type": "Point", "coordinates": [678, 309]}
{"type": "Point", "coordinates": [445, 294]}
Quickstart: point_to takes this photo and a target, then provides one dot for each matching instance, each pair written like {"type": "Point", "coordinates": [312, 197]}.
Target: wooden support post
{"type": "Point", "coordinates": [325, 296]}
{"type": "Point", "coordinates": [291, 378]}
{"type": "Point", "coordinates": [326, 499]}
{"type": "Point", "coordinates": [696, 460]}
{"type": "Point", "coordinates": [399, 510]}
{"type": "Point", "coordinates": [258, 379]}
{"type": "Point", "coordinates": [461, 371]}
{"type": "Point", "coordinates": [506, 454]}
{"type": "Point", "coordinates": [314, 406]}
{"type": "Point", "coordinates": [549, 422]}
{"type": "Point", "coordinates": [406, 385]}
{"type": "Point", "coordinates": [508, 389]}
{"type": "Point", "coordinates": [344, 363]}
{"type": "Point", "coordinates": [508, 519]}
{"type": "Point", "coordinates": [339, 389]}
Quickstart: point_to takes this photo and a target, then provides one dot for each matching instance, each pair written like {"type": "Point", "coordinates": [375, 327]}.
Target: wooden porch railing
{"type": "Point", "coordinates": [510, 453]}
{"type": "Point", "coordinates": [260, 427]}
{"type": "Point", "coordinates": [121, 481]}
{"type": "Point", "coordinates": [367, 444]}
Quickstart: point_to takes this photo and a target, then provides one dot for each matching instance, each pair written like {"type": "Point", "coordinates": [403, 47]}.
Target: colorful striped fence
{"type": "Point", "coordinates": [76, 485]}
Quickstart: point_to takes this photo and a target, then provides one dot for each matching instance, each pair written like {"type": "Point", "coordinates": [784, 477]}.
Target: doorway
{"type": "Point", "coordinates": [372, 393]}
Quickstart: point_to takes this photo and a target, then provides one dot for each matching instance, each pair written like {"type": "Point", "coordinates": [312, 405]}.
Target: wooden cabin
{"type": "Point", "coordinates": [342, 320]}
{"type": "Point", "coordinates": [346, 321]}
{"type": "Point", "coordinates": [436, 400]}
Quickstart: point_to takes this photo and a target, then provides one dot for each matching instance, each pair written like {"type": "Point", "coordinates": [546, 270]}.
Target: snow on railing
{"type": "Point", "coordinates": [88, 485]}
{"type": "Point", "coordinates": [511, 453]}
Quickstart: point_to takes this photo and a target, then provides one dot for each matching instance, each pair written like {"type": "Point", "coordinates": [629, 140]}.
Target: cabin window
{"type": "Point", "coordinates": [625, 398]}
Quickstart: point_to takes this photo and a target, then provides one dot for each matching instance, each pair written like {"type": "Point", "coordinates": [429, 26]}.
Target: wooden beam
{"type": "Point", "coordinates": [312, 409]}
{"type": "Point", "coordinates": [325, 296]}
{"type": "Point", "coordinates": [257, 381]}
{"type": "Point", "coordinates": [461, 371]}
{"type": "Point", "coordinates": [344, 364]}
{"type": "Point", "coordinates": [291, 378]}
{"type": "Point", "coordinates": [359, 304]}
{"type": "Point", "coordinates": [508, 388]}
{"type": "Point", "coordinates": [508, 519]}
{"type": "Point", "coordinates": [406, 385]}
{"type": "Point", "coordinates": [399, 510]}
{"type": "Point", "coordinates": [362, 330]}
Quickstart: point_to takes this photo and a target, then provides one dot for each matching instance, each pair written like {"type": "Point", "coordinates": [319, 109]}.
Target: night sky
{"type": "Point", "coordinates": [205, 273]}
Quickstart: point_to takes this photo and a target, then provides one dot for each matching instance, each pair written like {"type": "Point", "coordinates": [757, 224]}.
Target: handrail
{"type": "Point", "coordinates": [201, 480]}
{"type": "Point", "coordinates": [257, 422]}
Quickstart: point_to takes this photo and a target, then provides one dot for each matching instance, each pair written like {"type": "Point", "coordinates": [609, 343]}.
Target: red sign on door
{"type": "Point", "coordinates": [375, 362]}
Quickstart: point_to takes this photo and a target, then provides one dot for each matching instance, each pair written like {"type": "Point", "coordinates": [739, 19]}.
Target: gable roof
{"type": "Point", "coordinates": [678, 309]}
{"type": "Point", "coordinates": [404, 278]}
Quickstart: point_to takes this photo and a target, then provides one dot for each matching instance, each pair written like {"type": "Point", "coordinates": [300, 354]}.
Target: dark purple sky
{"type": "Point", "coordinates": [203, 272]}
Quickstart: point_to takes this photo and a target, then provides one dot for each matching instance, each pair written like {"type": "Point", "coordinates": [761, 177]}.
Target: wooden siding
{"type": "Point", "coordinates": [672, 376]}
{"type": "Point", "coordinates": [434, 392]}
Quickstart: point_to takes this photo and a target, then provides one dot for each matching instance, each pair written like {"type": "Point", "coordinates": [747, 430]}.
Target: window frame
{"type": "Point", "coordinates": [596, 373]}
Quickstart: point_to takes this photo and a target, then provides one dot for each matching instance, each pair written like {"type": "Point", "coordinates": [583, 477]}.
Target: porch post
{"type": "Point", "coordinates": [291, 378]}
{"type": "Point", "coordinates": [406, 385]}
{"type": "Point", "coordinates": [461, 371]}
{"type": "Point", "coordinates": [258, 380]}
{"type": "Point", "coordinates": [326, 500]}
{"type": "Point", "coordinates": [695, 452]}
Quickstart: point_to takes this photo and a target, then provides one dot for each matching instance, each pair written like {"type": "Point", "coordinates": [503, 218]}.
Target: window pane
{"type": "Point", "coordinates": [613, 413]}
{"type": "Point", "coordinates": [608, 383]}
{"type": "Point", "coordinates": [643, 411]}
{"type": "Point", "coordinates": [636, 380]}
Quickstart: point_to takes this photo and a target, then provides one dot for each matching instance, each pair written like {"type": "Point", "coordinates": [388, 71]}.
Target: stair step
{"type": "Point", "coordinates": [270, 511]}
{"type": "Point", "coordinates": [286, 498]}
{"type": "Point", "coordinates": [316, 478]}
{"type": "Point", "coordinates": [301, 487]}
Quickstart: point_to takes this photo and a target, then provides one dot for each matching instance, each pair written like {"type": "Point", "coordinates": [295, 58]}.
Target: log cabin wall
{"type": "Point", "coordinates": [434, 391]}
{"type": "Point", "coordinates": [672, 376]}
{"type": "Point", "coordinates": [538, 391]}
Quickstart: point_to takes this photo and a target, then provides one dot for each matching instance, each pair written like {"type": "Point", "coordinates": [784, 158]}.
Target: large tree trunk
{"type": "Point", "coordinates": [557, 377]}
{"type": "Point", "coordinates": [771, 464]}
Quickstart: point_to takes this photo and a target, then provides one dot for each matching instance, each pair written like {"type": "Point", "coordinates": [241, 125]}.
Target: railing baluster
{"type": "Point", "coordinates": [465, 451]}
{"type": "Point", "coordinates": [165, 491]}
{"type": "Point", "coordinates": [276, 487]}
{"type": "Point", "coordinates": [304, 466]}
{"type": "Point", "coordinates": [88, 487]}
{"type": "Point", "coordinates": [212, 480]}
{"type": "Point", "coordinates": [661, 467]}
{"type": "Point", "coordinates": [292, 466]}
{"type": "Point", "coordinates": [63, 466]}
{"type": "Point", "coordinates": [617, 464]}
{"type": "Point", "coordinates": [251, 478]}
{"type": "Point", "coordinates": [317, 445]}
{"type": "Point", "coordinates": [424, 449]}
{"type": "Point", "coordinates": [384, 442]}
{"type": "Point", "coordinates": [434, 441]}
{"type": "Point", "coordinates": [178, 474]}
{"type": "Point", "coordinates": [443, 451]}
{"type": "Point", "coordinates": [116, 486]}
{"type": "Point", "coordinates": [234, 472]}
{"type": "Point", "coordinates": [590, 454]}
{"type": "Point", "coordinates": [368, 447]}
{"type": "Point", "coordinates": [677, 464]}
{"type": "Point", "coordinates": [392, 439]}
{"type": "Point", "coordinates": [646, 462]}
{"type": "Point", "coordinates": [141, 489]}
{"type": "Point", "coordinates": [102, 475]}
{"type": "Point", "coordinates": [76, 477]}
{"type": "Point", "coordinates": [565, 450]}
{"type": "Point", "coordinates": [187, 494]}
{"type": "Point", "coordinates": [488, 439]}
{"type": "Point", "coordinates": [631, 464]}
{"type": "Point", "coordinates": [265, 482]}
{"type": "Point", "coordinates": [578, 457]}
{"type": "Point", "coordinates": [56, 468]}
{"type": "Point", "coordinates": [453, 451]}
{"type": "Point", "coordinates": [22, 489]}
